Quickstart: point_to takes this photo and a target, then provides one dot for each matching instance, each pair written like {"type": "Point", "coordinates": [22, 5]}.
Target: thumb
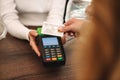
{"type": "Point", "coordinates": [64, 29]}
{"type": "Point", "coordinates": [33, 33]}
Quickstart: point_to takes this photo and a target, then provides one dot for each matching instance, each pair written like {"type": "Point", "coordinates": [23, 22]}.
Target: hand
{"type": "Point", "coordinates": [73, 25]}
{"type": "Point", "coordinates": [32, 35]}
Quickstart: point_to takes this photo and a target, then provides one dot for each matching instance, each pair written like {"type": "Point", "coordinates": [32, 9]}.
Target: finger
{"type": "Point", "coordinates": [68, 23]}
{"type": "Point", "coordinates": [67, 28]}
{"type": "Point", "coordinates": [63, 39]}
{"type": "Point", "coordinates": [33, 33]}
{"type": "Point", "coordinates": [60, 29]}
{"type": "Point", "coordinates": [34, 46]}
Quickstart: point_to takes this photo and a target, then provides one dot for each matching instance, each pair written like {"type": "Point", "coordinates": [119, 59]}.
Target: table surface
{"type": "Point", "coordinates": [19, 62]}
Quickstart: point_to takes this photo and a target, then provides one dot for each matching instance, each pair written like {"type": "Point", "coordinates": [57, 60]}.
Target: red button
{"type": "Point", "coordinates": [48, 59]}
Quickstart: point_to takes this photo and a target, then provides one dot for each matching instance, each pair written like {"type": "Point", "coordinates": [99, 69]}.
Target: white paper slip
{"type": "Point", "coordinates": [51, 29]}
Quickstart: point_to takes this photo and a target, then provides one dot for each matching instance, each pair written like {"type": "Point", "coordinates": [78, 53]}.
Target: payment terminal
{"type": "Point", "coordinates": [51, 49]}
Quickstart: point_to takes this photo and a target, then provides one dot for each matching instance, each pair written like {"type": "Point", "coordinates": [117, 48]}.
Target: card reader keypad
{"type": "Point", "coordinates": [53, 53]}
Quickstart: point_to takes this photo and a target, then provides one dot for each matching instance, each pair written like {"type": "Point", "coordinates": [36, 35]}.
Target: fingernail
{"type": "Point", "coordinates": [60, 29]}
{"type": "Point", "coordinates": [39, 55]}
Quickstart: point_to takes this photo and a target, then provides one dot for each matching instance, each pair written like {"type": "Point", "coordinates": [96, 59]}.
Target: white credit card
{"type": "Point", "coordinates": [51, 29]}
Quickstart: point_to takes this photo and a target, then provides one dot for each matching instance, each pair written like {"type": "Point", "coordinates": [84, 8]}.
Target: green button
{"type": "Point", "coordinates": [39, 31]}
{"type": "Point", "coordinates": [60, 58]}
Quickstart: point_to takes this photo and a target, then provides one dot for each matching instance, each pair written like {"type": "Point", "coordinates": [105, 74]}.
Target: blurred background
{"type": "Point", "coordinates": [78, 8]}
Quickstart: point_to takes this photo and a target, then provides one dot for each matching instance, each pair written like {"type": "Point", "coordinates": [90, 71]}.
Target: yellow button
{"type": "Point", "coordinates": [54, 59]}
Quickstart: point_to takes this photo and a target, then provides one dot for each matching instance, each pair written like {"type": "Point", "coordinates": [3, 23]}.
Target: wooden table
{"type": "Point", "coordinates": [19, 62]}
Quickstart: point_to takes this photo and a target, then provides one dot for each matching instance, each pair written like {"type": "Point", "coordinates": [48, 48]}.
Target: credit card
{"type": "Point", "coordinates": [51, 29]}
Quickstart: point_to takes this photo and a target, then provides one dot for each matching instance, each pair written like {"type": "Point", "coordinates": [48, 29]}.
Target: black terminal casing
{"type": "Point", "coordinates": [52, 55]}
